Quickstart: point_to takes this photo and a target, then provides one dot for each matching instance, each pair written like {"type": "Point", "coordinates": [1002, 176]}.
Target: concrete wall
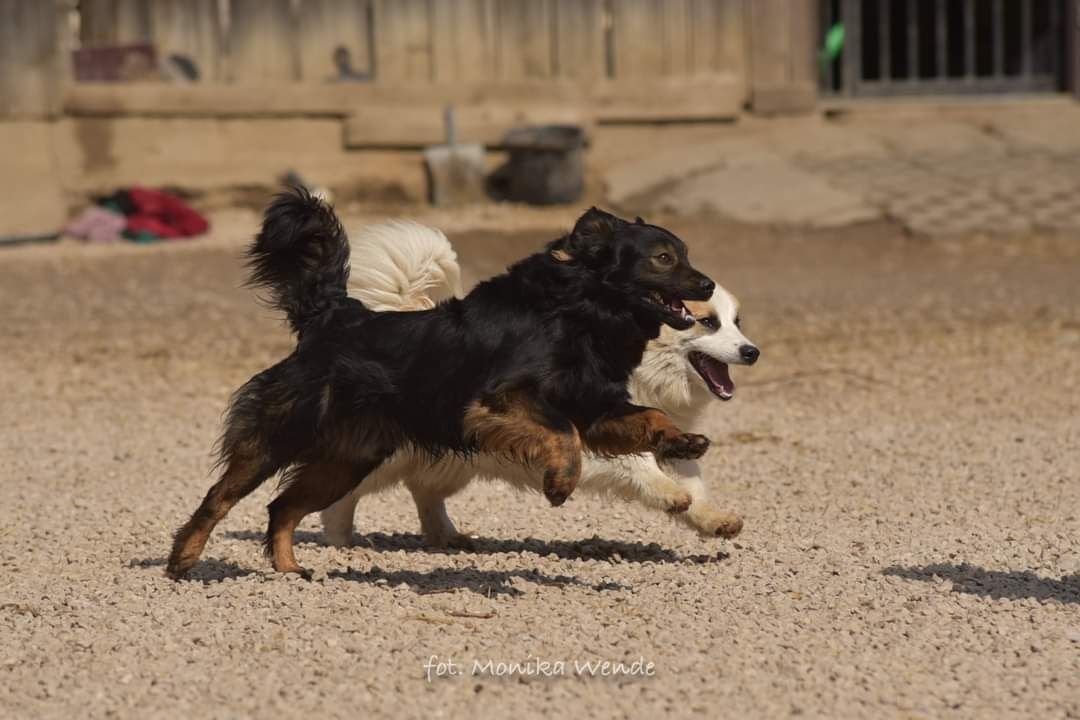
{"type": "Point", "coordinates": [53, 166]}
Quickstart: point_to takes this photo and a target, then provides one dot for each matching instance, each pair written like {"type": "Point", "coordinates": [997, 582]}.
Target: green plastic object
{"type": "Point", "coordinates": [834, 43]}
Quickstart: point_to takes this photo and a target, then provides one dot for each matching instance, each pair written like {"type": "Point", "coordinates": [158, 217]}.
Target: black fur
{"type": "Point", "coordinates": [564, 328]}
{"type": "Point", "coordinates": [301, 256]}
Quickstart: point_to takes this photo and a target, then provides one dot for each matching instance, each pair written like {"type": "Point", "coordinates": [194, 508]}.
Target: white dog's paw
{"type": "Point", "coordinates": [339, 539]}
{"type": "Point", "coordinates": [679, 502]}
{"type": "Point", "coordinates": [450, 540]}
{"type": "Point", "coordinates": [461, 541]}
{"type": "Point", "coordinates": [715, 523]}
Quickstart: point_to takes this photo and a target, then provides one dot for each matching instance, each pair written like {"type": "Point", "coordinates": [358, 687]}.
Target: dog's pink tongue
{"type": "Point", "coordinates": [720, 378]}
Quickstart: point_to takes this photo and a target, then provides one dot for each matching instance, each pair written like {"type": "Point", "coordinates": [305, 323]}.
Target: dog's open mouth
{"type": "Point", "coordinates": [715, 374]}
{"type": "Point", "coordinates": [673, 308]}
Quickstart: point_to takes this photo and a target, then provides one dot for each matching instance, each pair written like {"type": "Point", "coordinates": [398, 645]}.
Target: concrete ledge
{"type": "Point", "coordinates": [784, 99]}
{"type": "Point", "coordinates": [418, 127]}
{"type": "Point", "coordinates": [30, 183]}
{"type": "Point", "coordinates": [660, 99]}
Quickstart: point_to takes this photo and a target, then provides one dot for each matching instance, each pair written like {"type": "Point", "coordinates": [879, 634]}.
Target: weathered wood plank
{"type": "Point", "coordinates": [263, 44]}
{"type": "Point", "coordinates": [717, 37]}
{"type": "Point", "coordinates": [115, 22]}
{"type": "Point", "coordinates": [677, 28]}
{"type": "Point", "coordinates": [580, 51]}
{"type": "Point", "coordinates": [31, 59]}
{"type": "Point", "coordinates": [639, 38]}
{"type": "Point", "coordinates": [731, 39]}
{"type": "Point", "coordinates": [782, 78]}
{"type": "Point", "coordinates": [525, 47]}
{"type": "Point", "coordinates": [802, 60]}
{"type": "Point", "coordinates": [463, 40]}
{"type": "Point", "coordinates": [325, 26]}
{"type": "Point", "coordinates": [190, 28]}
{"type": "Point", "coordinates": [770, 43]}
{"type": "Point", "coordinates": [403, 41]}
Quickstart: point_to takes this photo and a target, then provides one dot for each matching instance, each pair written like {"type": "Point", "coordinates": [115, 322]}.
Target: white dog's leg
{"type": "Point", "coordinates": [703, 516]}
{"type": "Point", "coordinates": [635, 477]}
{"type": "Point", "coordinates": [430, 486]}
{"type": "Point", "coordinates": [337, 520]}
{"type": "Point", "coordinates": [435, 523]}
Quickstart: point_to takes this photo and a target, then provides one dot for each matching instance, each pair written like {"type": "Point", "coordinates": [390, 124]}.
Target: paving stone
{"type": "Point", "coordinates": [985, 172]}
{"type": "Point", "coordinates": [1056, 131]}
{"type": "Point", "coordinates": [768, 189]}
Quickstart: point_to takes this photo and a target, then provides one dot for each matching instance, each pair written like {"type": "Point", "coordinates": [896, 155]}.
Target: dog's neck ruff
{"type": "Point", "coordinates": [665, 382]}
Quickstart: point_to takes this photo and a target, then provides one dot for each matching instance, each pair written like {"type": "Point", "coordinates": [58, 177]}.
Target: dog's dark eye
{"type": "Point", "coordinates": [665, 259]}
{"type": "Point", "coordinates": [738, 322]}
{"type": "Point", "coordinates": [709, 322]}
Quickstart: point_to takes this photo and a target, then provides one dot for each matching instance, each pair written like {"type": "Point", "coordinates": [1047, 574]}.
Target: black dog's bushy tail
{"type": "Point", "coordinates": [301, 257]}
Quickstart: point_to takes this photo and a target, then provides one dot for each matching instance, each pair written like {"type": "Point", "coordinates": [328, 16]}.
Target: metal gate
{"type": "Point", "coordinates": [915, 47]}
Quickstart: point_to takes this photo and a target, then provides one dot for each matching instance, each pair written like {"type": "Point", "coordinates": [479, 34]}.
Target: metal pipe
{"type": "Point", "coordinates": [969, 40]}
{"type": "Point", "coordinates": [999, 38]}
{"type": "Point", "coordinates": [941, 52]}
{"type": "Point", "coordinates": [884, 42]}
{"type": "Point", "coordinates": [913, 40]}
{"type": "Point", "coordinates": [1027, 7]}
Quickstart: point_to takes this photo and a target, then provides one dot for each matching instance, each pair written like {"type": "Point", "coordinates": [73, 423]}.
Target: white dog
{"type": "Point", "coordinates": [406, 266]}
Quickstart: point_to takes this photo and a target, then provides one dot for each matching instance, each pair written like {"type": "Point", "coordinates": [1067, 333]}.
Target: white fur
{"type": "Point", "coordinates": [407, 266]}
{"type": "Point", "coordinates": [402, 265]}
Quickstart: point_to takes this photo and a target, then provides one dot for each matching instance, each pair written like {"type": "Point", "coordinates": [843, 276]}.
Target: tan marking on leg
{"type": "Point", "coordinates": [311, 488]}
{"type": "Point", "coordinates": [510, 426]}
{"type": "Point", "coordinates": [240, 478]}
{"type": "Point", "coordinates": [644, 430]}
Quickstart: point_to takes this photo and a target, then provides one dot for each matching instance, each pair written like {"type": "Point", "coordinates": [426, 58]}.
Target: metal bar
{"type": "Point", "coordinates": [941, 38]}
{"type": "Point", "coordinates": [1027, 7]}
{"type": "Point", "coordinates": [1055, 39]}
{"type": "Point", "coordinates": [852, 17]}
{"type": "Point", "coordinates": [969, 40]}
{"type": "Point", "coordinates": [828, 70]}
{"type": "Point", "coordinates": [913, 40]}
{"type": "Point", "coordinates": [999, 38]}
{"type": "Point", "coordinates": [884, 41]}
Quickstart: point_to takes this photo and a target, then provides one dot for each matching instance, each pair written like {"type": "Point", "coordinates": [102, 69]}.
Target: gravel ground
{"type": "Point", "coordinates": [901, 456]}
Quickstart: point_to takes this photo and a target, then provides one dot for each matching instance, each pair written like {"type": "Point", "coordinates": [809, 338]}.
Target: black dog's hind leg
{"type": "Point", "coordinates": [244, 473]}
{"type": "Point", "coordinates": [308, 488]}
{"type": "Point", "coordinates": [524, 429]}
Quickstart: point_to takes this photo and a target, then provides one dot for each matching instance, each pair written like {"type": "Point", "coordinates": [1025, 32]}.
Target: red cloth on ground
{"type": "Point", "coordinates": [163, 215]}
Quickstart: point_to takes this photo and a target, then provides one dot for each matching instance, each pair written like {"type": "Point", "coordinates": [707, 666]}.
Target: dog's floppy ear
{"type": "Point", "coordinates": [590, 240]}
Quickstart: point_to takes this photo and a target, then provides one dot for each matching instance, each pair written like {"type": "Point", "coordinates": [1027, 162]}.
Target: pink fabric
{"type": "Point", "coordinates": [98, 225]}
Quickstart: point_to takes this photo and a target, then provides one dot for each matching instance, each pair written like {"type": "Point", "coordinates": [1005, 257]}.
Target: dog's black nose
{"type": "Point", "coordinates": [707, 285]}
{"type": "Point", "coordinates": [749, 353]}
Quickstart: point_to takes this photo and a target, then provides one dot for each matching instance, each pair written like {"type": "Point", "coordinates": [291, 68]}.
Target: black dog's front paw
{"type": "Point", "coordinates": [682, 447]}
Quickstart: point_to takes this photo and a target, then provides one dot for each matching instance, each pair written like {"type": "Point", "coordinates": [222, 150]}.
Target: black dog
{"type": "Point", "coordinates": [532, 364]}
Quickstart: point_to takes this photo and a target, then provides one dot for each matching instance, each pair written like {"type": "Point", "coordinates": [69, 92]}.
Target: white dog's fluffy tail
{"type": "Point", "coordinates": [403, 265]}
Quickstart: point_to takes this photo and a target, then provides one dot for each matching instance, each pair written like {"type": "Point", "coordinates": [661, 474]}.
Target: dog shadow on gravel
{"type": "Point", "coordinates": [206, 571]}
{"type": "Point", "coordinates": [594, 548]}
{"type": "Point", "coordinates": [481, 582]}
{"type": "Point", "coordinates": [441, 580]}
{"type": "Point", "coordinates": [995, 584]}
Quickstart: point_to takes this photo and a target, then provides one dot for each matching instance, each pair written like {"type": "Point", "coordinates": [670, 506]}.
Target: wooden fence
{"type": "Point", "coordinates": [691, 58]}
{"type": "Point", "coordinates": [432, 41]}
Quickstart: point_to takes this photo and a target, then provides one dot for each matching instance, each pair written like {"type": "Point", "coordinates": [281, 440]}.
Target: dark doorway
{"type": "Point", "coordinates": [913, 47]}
